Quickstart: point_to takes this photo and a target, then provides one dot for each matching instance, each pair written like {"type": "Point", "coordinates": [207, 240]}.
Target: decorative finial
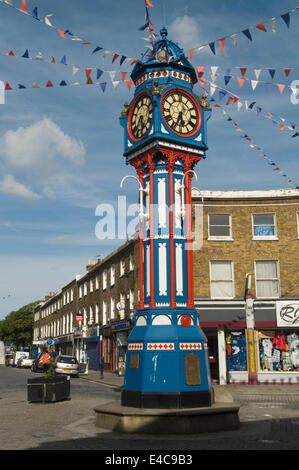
{"type": "Point", "coordinates": [163, 33]}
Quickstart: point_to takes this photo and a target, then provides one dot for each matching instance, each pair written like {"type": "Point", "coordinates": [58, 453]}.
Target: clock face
{"type": "Point", "coordinates": [140, 117]}
{"type": "Point", "coordinates": [181, 113]}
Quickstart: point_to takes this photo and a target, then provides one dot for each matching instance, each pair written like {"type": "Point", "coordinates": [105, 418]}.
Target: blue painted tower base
{"type": "Point", "coordinates": [167, 363]}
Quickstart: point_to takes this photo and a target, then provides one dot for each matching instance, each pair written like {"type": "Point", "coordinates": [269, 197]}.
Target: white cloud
{"type": "Point", "coordinates": [185, 30]}
{"type": "Point", "coordinates": [41, 147]}
{"type": "Point", "coordinates": [13, 188]}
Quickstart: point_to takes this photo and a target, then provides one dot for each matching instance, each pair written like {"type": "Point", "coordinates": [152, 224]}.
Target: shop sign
{"type": "Point", "coordinates": [79, 318]}
{"type": "Point", "coordinates": [287, 313]}
{"type": "Point", "coordinates": [120, 326]}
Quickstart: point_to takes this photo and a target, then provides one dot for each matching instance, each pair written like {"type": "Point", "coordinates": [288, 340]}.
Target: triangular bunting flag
{"type": "Point", "coordinates": [287, 72]}
{"type": "Point", "coordinates": [123, 74]}
{"type": "Point", "coordinates": [75, 69]}
{"type": "Point", "coordinates": [239, 105]}
{"type": "Point", "coordinates": [286, 19]}
{"type": "Point", "coordinates": [35, 84]}
{"type": "Point", "coordinates": [191, 54]}
{"type": "Point", "coordinates": [128, 83]}
{"type": "Point", "coordinates": [61, 33]}
{"type": "Point", "coordinates": [26, 54]}
{"type": "Point", "coordinates": [272, 23]}
{"type": "Point", "coordinates": [115, 84]}
{"type": "Point", "coordinates": [39, 56]}
{"type": "Point", "coordinates": [281, 127]}
{"type": "Point", "coordinates": [227, 79]}
{"type": "Point", "coordinates": [254, 84]}
{"type": "Point", "coordinates": [241, 82]}
{"type": "Point", "coordinates": [63, 83]}
{"type": "Point", "coordinates": [63, 60]}
{"type": "Point", "coordinates": [280, 87]}
{"type": "Point", "coordinates": [112, 75]}
{"type": "Point", "coordinates": [296, 134]}
{"type": "Point", "coordinates": [106, 52]}
{"type": "Point", "coordinates": [212, 89]}
{"type": "Point", "coordinates": [261, 27]}
{"type": "Point", "coordinates": [115, 57]}
{"type": "Point", "coordinates": [23, 7]}
{"type": "Point", "coordinates": [89, 81]}
{"type": "Point", "coordinates": [222, 42]}
{"type": "Point", "coordinates": [47, 20]}
{"type": "Point", "coordinates": [52, 60]}
{"type": "Point", "coordinates": [9, 2]}
{"type": "Point", "coordinates": [272, 72]}
{"type": "Point", "coordinates": [88, 72]}
{"type": "Point", "coordinates": [7, 86]}
{"type": "Point", "coordinates": [212, 47]}
{"type": "Point", "coordinates": [257, 73]}
{"type": "Point", "coordinates": [246, 32]}
{"type": "Point", "coordinates": [11, 53]}
{"type": "Point", "coordinates": [34, 13]}
{"type": "Point", "coordinates": [21, 87]}
{"type": "Point", "coordinates": [222, 94]}
{"type": "Point", "coordinates": [49, 83]}
{"type": "Point", "coordinates": [103, 86]}
{"type": "Point", "coordinates": [243, 71]}
{"type": "Point", "coordinates": [123, 58]}
{"type": "Point", "coordinates": [99, 73]}
{"type": "Point", "coordinates": [234, 39]}
{"type": "Point", "coordinates": [96, 49]}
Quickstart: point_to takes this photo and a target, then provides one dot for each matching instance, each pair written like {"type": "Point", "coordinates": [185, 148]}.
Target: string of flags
{"type": "Point", "coordinates": [63, 61]}
{"type": "Point", "coordinates": [232, 99]}
{"type": "Point", "coordinates": [247, 32]}
{"type": "Point", "coordinates": [148, 22]}
{"type": "Point", "coordinates": [66, 33]}
{"type": "Point", "coordinates": [254, 146]}
{"type": "Point", "coordinates": [63, 83]}
{"type": "Point", "coordinates": [257, 70]}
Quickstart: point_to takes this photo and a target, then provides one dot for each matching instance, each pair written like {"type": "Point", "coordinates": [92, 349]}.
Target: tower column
{"type": "Point", "coordinates": [140, 173]}
{"type": "Point", "coordinates": [151, 167]}
{"type": "Point", "coordinates": [189, 241]}
{"type": "Point", "coordinates": [170, 167]}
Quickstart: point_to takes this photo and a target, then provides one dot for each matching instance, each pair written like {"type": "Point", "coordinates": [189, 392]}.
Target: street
{"type": "Point", "coordinates": [266, 423]}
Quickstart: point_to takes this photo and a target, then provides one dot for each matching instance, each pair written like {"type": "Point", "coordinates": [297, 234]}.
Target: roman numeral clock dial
{"type": "Point", "coordinates": [181, 113]}
{"type": "Point", "coordinates": [140, 117]}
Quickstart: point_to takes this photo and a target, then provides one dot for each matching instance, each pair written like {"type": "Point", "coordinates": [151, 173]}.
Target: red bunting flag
{"type": "Point", "coordinates": [281, 87]}
{"type": "Point", "coordinates": [200, 70]}
{"type": "Point", "coordinates": [61, 33]}
{"type": "Point", "coordinates": [88, 72]}
{"type": "Point", "coordinates": [49, 83]}
{"type": "Point", "coordinates": [115, 57]}
{"type": "Point", "coordinates": [123, 74]}
{"type": "Point", "coordinates": [89, 81]}
{"type": "Point", "coordinates": [276, 169]}
{"type": "Point", "coordinates": [191, 54]}
{"type": "Point", "coordinates": [287, 72]}
{"type": "Point", "coordinates": [148, 3]}
{"type": "Point", "coordinates": [241, 82]}
{"type": "Point", "coordinates": [243, 71]}
{"type": "Point", "coordinates": [52, 60]}
{"type": "Point", "coordinates": [23, 7]}
{"type": "Point", "coordinates": [128, 83]}
{"type": "Point", "coordinates": [221, 42]}
{"type": "Point", "coordinates": [235, 99]}
{"type": "Point", "coordinates": [7, 86]}
{"type": "Point", "coordinates": [281, 127]}
{"type": "Point", "coordinates": [229, 100]}
{"type": "Point", "coordinates": [261, 27]}
{"type": "Point", "coordinates": [10, 53]}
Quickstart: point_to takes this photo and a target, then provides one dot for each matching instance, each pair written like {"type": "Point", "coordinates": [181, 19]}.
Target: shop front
{"type": "Point", "coordinates": [120, 333]}
{"type": "Point", "coordinates": [64, 345]}
{"type": "Point", "coordinates": [92, 348]}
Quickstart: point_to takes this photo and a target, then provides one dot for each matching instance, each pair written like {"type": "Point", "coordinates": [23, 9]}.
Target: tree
{"type": "Point", "coordinates": [17, 327]}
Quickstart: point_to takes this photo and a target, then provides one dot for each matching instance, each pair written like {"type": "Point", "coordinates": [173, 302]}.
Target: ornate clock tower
{"type": "Point", "coordinates": [165, 136]}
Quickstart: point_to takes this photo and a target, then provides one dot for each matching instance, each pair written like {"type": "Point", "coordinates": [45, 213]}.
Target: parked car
{"type": "Point", "coordinates": [43, 361]}
{"type": "Point", "coordinates": [66, 365]}
{"type": "Point", "coordinates": [25, 362]}
{"type": "Point", "coordinates": [19, 355]}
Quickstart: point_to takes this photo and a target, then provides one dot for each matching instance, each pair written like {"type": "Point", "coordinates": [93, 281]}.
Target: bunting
{"type": "Point", "coordinates": [287, 179]}
{"type": "Point", "coordinates": [247, 32]}
{"type": "Point", "coordinates": [282, 122]}
{"type": "Point", "coordinates": [63, 33]}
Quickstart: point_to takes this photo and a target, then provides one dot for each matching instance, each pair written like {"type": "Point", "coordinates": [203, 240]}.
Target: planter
{"type": "Point", "coordinates": [45, 390]}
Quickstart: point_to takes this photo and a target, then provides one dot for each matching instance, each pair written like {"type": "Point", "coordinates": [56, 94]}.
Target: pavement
{"type": "Point", "coordinates": [241, 393]}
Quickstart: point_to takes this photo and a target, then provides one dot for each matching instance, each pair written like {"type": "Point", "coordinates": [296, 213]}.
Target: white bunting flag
{"type": "Point", "coordinates": [257, 73]}
{"type": "Point", "coordinates": [254, 84]}
{"type": "Point", "coordinates": [47, 20]}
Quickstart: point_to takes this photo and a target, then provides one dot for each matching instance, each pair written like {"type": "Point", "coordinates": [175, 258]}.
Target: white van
{"type": "Point", "coordinates": [19, 355]}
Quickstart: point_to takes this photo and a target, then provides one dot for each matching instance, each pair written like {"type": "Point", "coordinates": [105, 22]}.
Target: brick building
{"type": "Point", "coordinates": [247, 247]}
{"type": "Point", "coordinates": [246, 278]}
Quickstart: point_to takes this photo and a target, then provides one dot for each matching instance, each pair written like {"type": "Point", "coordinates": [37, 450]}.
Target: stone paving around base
{"type": "Point", "coordinates": [272, 393]}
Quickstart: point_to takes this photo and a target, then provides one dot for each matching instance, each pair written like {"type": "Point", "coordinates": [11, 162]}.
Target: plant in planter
{"type": "Point", "coordinates": [49, 388]}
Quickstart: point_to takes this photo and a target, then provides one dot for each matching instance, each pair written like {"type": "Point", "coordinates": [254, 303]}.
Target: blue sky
{"type": "Point", "coordinates": [61, 147]}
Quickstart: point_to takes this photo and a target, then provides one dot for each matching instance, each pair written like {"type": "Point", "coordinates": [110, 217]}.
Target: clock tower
{"type": "Point", "coordinates": [165, 136]}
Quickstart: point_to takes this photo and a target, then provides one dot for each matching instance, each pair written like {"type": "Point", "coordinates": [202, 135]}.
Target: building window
{"type": "Point", "coordinates": [85, 288]}
{"type": "Point", "coordinates": [105, 279]}
{"type": "Point", "coordinates": [112, 308]}
{"type": "Point", "coordinates": [220, 226]}
{"type": "Point", "coordinates": [80, 292]}
{"type": "Point", "coordinates": [131, 299]}
{"type": "Point", "coordinates": [222, 280]}
{"type": "Point", "coordinates": [122, 268]}
{"type": "Point", "coordinates": [97, 282]}
{"type": "Point", "coordinates": [131, 262]}
{"type": "Point", "coordinates": [97, 314]}
{"type": "Point", "coordinates": [264, 226]}
{"type": "Point", "coordinates": [104, 319]}
{"type": "Point", "coordinates": [267, 279]}
{"type": "Point", "coordinates": [112, 275]}
{"type": "Point", "coordinates": [72, 295]}
{"type": "Point", "coordinates": [91, 285]}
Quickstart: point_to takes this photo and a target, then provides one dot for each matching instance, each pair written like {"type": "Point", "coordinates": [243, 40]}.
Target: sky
{"type": "Point", "coordinates": [61, 147]}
